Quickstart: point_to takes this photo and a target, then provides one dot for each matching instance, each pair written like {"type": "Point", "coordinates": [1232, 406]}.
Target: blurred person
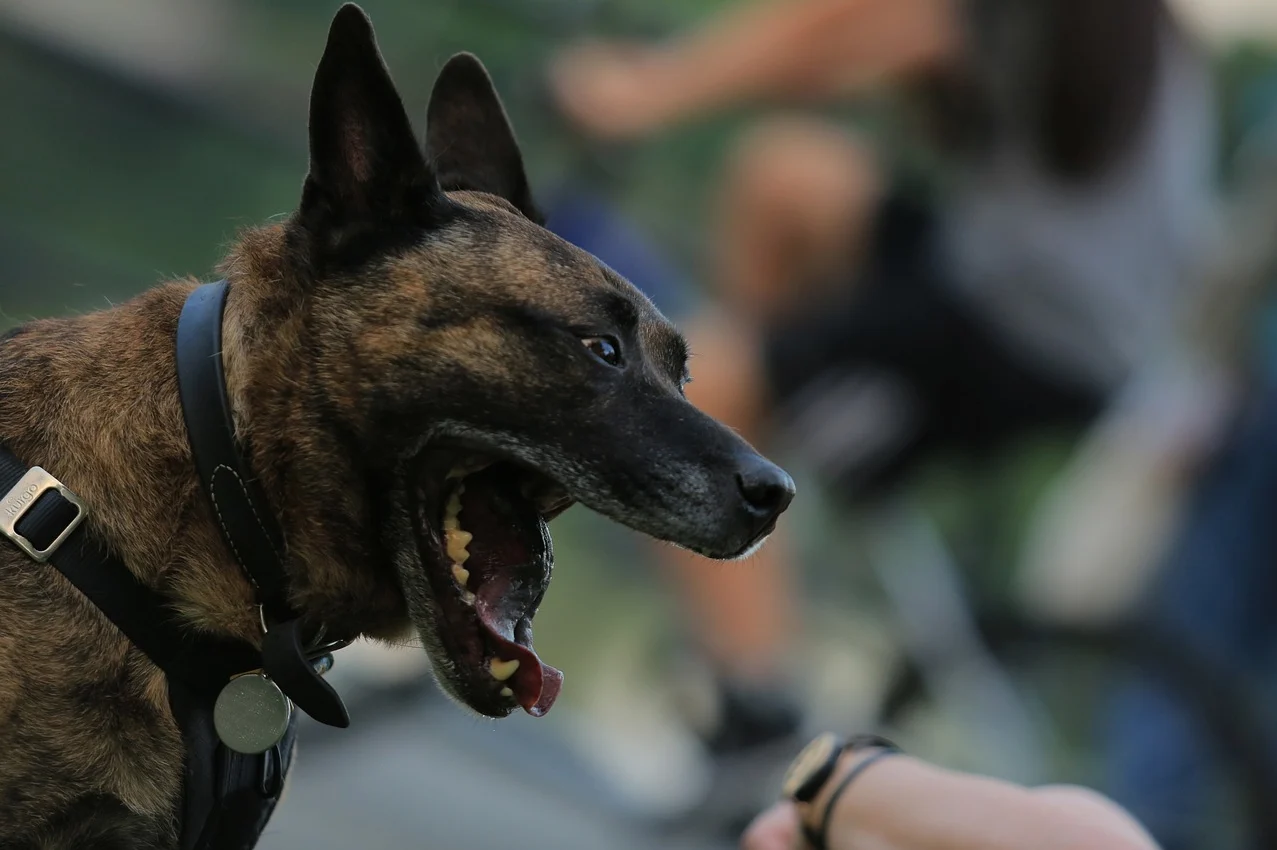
{"type": "Point", "coordinates": [1215, 582]}
{"type": "Point", "coordinates": [865, 796]}
{"type": "Point", "coordinates": [1213, 577]}
{"type": "Point", "coordinates": [1016, 294]}
{"type": "Point", "coordinates": [1214, 590]}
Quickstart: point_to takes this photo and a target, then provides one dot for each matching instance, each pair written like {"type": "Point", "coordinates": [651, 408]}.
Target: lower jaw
{"type": "Point", "coordinates": [469, 638]}
{"type": "Point", "coordinates": [463, 648]}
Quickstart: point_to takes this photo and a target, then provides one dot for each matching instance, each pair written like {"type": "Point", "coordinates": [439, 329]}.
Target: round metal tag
{"type": "Point", "coordinates": [251, 714]}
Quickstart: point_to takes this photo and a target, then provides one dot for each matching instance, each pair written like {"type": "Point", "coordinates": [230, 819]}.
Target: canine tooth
{"type": "Point", "coordinates": [502, 670]}
{"type": "Point", "coordinates": [506, 692]}
{"type": "Point", "coordinates": [461, 574]}
{"type": "Point", "coordinates": [467, 597]}
{"type": "Point", "coordinates": [457, 541]}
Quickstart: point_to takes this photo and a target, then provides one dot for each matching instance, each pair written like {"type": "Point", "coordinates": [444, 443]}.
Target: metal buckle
{"type": "Point", "coordinates": [23, 497]}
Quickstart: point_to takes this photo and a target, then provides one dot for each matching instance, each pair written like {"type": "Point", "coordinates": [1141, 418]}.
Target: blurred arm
{"type": "Point", "coordinates": [803, 48]}
{"type": "Point", "coordinates": [796, 49]}
{"type": "Point", "coordinates": [905, 804]}
{"type": "Point", "coordinates": [901, 803]}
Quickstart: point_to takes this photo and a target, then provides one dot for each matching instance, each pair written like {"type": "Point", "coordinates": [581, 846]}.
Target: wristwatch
{"type": "Point", "coordinates": [812, 768]}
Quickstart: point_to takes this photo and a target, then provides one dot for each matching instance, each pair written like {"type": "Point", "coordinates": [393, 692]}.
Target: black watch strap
{"type": "Point", "coordinates": [818, 837]}
{"type": "Point", "coordinates": [812, 767]}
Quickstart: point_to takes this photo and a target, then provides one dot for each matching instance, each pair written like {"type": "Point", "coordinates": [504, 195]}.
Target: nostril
{"type": "Point", "coordinates": [767, 488]}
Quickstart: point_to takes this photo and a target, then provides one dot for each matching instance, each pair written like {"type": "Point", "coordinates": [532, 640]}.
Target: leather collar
{"type": "Point", "coordinates": [243, 514]}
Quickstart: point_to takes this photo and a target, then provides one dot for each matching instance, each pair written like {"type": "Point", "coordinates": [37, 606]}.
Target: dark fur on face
{"type": "Point", "coordinates": [409, 324]}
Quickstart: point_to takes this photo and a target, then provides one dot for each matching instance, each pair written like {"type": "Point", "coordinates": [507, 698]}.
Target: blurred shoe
{"type": "Point", "coordinates": [753, 734]}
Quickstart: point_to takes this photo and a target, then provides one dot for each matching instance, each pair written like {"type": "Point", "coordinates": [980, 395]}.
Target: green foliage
{"type": "Point", "coordinates": [113, 181]}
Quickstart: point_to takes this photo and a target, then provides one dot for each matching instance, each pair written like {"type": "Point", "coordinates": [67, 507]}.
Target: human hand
{"type": "Point", "coordinates": [775, 829]}
{"type": "Point", "coordinates": [610, 90]}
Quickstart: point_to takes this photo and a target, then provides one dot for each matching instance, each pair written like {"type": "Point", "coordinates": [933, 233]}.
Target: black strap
{"type": "Point", "coordinates": [227, 797]}
{"type": "Point", "coordinates": [247, 522]}
{"type": "Point", "coordinates": [204, 662]}
{"type": "Point", "coordinates": [819, 838]}
{"type": "Point", "coordinates": [241, 508]}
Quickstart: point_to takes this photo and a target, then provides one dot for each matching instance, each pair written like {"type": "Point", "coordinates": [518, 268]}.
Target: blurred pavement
{"type": "Point", "coordinates": [421, 774]}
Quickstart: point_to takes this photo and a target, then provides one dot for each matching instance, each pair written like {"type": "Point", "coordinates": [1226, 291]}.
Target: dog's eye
{"type": "Point", "coordinates": [605, 348]}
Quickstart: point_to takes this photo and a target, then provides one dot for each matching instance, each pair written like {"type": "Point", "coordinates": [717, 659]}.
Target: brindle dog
{"type": "Point", "coordinates": [422, 376]}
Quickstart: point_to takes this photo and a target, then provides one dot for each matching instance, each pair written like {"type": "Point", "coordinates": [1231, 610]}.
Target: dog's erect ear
{"type": "Point", "coordinates": [469, 140]}
{"type": "Point", "coordinates": [365, 163]}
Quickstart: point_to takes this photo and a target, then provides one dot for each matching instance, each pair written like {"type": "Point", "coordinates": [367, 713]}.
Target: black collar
{"type": "Point", "coordinates": [239, 504]}
{"type": "Point", "coordinates": [44, 518]}
{"type": "Point", "coordinates": [247, 522]}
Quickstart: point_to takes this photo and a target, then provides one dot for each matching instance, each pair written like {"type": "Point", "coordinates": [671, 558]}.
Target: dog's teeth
{"type": "Point", "coordinates": [502, 670]}
{"type": "Point", "coordinates": [467, 597]}
{"type": "Point", "coordinates": [506, 692]}
{"type": "Point", "coordinates": [461, 574]}
{"type": "Point", "coordinates": [457, 541]}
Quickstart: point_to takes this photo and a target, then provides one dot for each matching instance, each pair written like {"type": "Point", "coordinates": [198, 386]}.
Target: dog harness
{"type": "Point", "coordinates": [232, 702]}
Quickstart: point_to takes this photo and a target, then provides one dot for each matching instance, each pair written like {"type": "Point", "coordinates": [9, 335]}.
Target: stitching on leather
{"type": "Point", "coordinates": [213, 495]}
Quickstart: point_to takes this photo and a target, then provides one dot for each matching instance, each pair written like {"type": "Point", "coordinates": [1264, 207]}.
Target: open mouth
{"type": "Point", "coordinates": [482, 532]}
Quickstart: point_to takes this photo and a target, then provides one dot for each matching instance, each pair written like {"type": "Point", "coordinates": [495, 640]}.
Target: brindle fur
{"type": "Point", "coordinates": [412, 295]}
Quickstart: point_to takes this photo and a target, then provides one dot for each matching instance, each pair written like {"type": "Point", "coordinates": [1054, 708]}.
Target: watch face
{"type": "Point", "coordinates": [811, 768]}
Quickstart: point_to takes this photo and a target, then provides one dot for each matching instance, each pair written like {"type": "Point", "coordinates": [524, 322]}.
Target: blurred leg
{"type": "Point", "coordinates": [794, 209]}
{"type": "Point", "coordinates": [739, 611]}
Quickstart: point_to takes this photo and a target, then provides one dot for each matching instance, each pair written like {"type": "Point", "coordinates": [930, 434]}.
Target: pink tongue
{"type": "Point", "coordinates": [535, 685]}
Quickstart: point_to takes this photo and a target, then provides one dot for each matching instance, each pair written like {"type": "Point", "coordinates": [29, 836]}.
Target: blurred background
{"type": "Point", "coordinates": [994, 284]}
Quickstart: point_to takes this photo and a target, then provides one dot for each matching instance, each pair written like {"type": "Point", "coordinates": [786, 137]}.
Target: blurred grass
{"type": "Point", "coordinates": [108, 184]}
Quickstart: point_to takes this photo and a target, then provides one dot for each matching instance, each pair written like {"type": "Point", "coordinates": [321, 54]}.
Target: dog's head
{"type": "Point", "coordinates": [483, 374]}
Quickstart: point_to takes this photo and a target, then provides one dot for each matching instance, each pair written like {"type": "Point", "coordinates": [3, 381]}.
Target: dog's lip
{"type": "Point", "coordinates": [483, 612]}
{"type": "Point", "coordinates": [475, 456]}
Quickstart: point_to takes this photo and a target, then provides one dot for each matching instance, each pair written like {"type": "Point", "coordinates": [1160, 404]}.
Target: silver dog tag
{"type": "Point", "coordinates": [251, 714]}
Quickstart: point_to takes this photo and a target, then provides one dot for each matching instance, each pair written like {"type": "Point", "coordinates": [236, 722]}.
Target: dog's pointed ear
{"type": "Point", "coordinates": [365, 163]}
{"type": "Point", "coordinates": [469, 140]}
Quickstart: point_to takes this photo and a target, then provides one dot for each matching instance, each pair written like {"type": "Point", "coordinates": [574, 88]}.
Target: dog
{"type": "Point", "coordinates": [421, 377]}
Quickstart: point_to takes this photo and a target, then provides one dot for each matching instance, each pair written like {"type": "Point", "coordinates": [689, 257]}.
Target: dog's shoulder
{"type": "Point", "coordinates": [92, 821]}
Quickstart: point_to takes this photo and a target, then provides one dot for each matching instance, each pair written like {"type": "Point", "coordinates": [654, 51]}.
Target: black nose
{"type": "Point", "coordinates": [767, 488]}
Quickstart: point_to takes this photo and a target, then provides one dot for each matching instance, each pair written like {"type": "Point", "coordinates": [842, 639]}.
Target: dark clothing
{"type": "Point", "coordinates": [904, 353]}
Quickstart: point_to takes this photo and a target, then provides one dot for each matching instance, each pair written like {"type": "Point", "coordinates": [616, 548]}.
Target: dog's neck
{"type": "Point", "coordinates": [94, 400]}
{"type": "Point", "coordinates": [294, 413]}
